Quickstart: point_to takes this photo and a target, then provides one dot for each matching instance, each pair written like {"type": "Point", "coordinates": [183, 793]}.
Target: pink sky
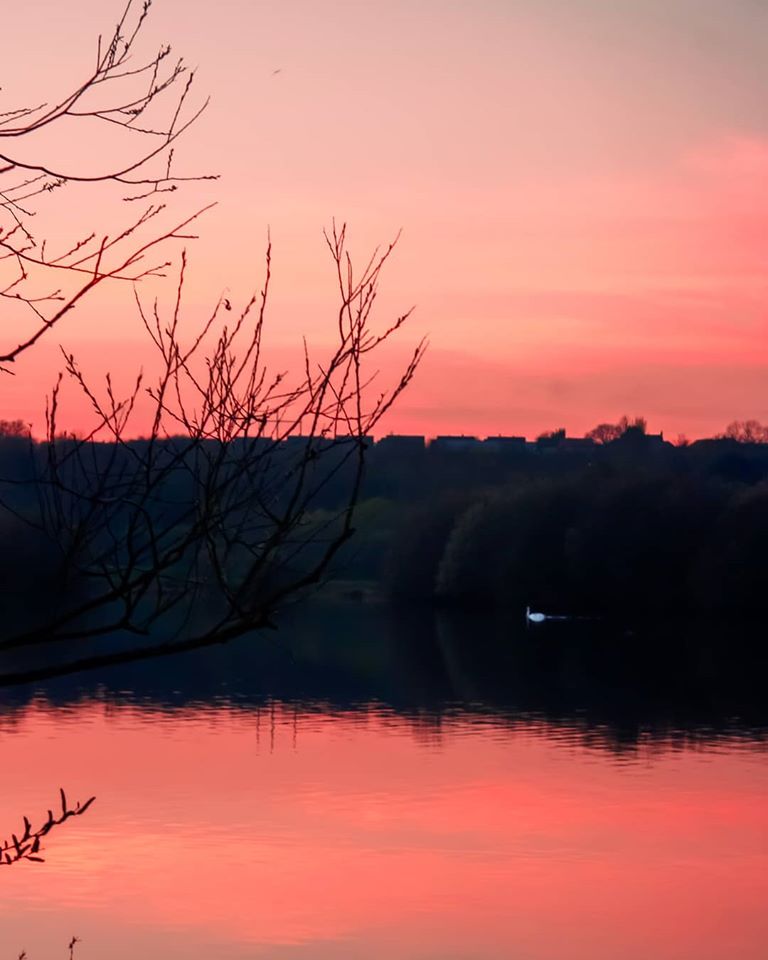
{"type": "Point", "coordinates": [581, 188]}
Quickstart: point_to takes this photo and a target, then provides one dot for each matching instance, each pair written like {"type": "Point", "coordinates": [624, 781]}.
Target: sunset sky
{"type": "Point", "coordinates": [581, 186]}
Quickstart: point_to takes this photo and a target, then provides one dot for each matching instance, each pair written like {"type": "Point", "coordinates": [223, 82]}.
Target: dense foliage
{"type": "Point", "coordinates": [619, 529]}
{"type": "Point", "coordinates": [619, 546]}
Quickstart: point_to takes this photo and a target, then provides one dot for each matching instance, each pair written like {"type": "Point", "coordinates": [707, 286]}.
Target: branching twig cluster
{"type": "Point", "coordinates": [217, 499]}
{"type": "Point", "coordinates": [119, 93]}
{"type": "Point", "coordinates": [28, 846]}
{"type": "Point", "coordinates": [199, 532]}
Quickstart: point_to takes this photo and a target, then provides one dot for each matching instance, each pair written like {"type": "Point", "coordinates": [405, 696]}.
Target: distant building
{"type": "Point", "coordinates": [454, 444]}
{"type": "Point", "coordinates": [401, 445]}
{"type": "Point", "coordinates": [297, 446]}
{"type": "Point", "coordinates": [504, 445]}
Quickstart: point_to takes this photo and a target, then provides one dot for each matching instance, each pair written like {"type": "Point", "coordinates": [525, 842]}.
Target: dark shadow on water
{"type": "Point", "coordinates": [676, 682]}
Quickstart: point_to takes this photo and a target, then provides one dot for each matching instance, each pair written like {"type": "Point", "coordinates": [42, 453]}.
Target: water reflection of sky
{"type": "Point", "coordinates": [283, 832]}
{"type": "Point", "coordinates": [394, 792]}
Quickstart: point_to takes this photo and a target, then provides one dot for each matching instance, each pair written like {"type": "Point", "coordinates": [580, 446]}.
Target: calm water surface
{"type": "Point", "coordinates": [368, 787]}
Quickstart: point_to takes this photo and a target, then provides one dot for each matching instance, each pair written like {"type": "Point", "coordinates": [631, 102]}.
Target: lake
{"type": "Point", "coordinates": [363, 784]}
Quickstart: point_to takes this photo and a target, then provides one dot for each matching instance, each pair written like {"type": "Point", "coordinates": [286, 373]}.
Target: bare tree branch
{"type": "Point", "coordinates": [201, 531]}
{"type": "Point", "coordinates": [27, 845]}
{"type": "Point", "coordinates": [115, 93]}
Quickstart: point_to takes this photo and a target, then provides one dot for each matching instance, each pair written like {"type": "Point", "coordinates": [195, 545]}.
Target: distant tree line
{"type": "Point", "coordinates": [628, 529]}
{"type": "Point", "coordinates": [746, 431]}
{"type": "Point", "coordinates": [608, 432]}
{"type": "Point", "coordinates": [669, 544]}
{"type": "Point", "coordinates": [622, 527]}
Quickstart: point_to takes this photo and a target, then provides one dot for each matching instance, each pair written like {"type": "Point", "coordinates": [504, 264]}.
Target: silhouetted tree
{"type": "Point", "coordinates": [633, 550]}
{"type": "Point", "coordinates": [608, 432]}
{"type": "Point", "coordinates": [735, 577]}
{"type": "Point", "coordinates": [746, 431]}
{"type": "Point", "coordinates": [604, 433]}
{"type": "Point", "coordinates": [13, 428]}
{"type": "Point", "coordinates": [509, 549]}
{"type": "Point", "coordinates": [214, 501]}
{"type": "Point", "coordinates": [411, 568]}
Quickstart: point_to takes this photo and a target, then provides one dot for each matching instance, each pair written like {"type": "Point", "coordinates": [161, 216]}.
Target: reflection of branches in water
{"type": "Point", "coordinates": [29, 845]}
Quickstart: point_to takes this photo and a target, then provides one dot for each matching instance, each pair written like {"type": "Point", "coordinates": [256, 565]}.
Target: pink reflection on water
{"type": "Point", "coordinates": [321, 835]}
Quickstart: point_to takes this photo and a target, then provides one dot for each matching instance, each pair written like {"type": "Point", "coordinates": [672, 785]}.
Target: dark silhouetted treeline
{"type": "Point", "coordinates": [666, 545]}
{"type": "Point", "coordinates": [628, 527]}
{"type": "Point", "coordinates": [624, 530]}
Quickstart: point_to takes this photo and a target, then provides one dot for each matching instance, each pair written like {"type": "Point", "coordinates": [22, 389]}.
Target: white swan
{"type": "Point", "coordinates": [541, 617]}
{"type": "Point", "coordinates": [534, 617]}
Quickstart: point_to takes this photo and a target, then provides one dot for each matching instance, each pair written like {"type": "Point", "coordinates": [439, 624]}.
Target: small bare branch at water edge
{"type": "Point", "coordinates": [72, 944]}
{"type": "Point", "coordinates": [28, 846]}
